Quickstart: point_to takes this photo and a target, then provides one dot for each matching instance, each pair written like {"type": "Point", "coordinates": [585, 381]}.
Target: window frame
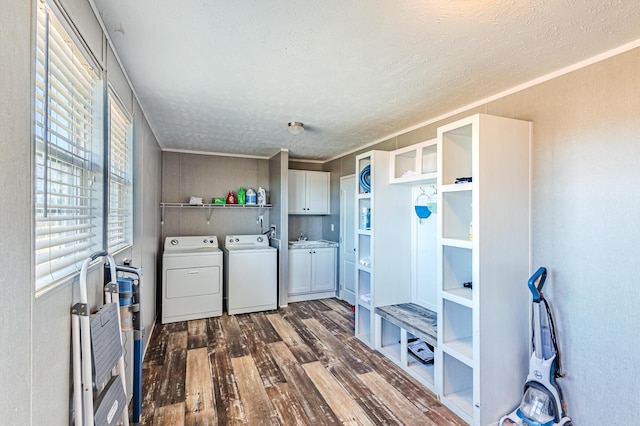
{"type": "Point", "coordinates": [67, 159]}
{"type": "Point", "coordinates": [121, 177]}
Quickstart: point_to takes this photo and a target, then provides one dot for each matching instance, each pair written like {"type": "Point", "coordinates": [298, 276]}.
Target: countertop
{"type": "Point", "coordinates": [311, 244]}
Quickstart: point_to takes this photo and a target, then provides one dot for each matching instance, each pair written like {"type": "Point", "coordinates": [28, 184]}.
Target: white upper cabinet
{"type": "Point", "coordinates": [308, 192]}
{"type": "Point", "coordinates": [414, 164]}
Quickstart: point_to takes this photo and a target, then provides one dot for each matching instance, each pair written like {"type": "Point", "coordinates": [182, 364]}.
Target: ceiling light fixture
{"type": "Point", "coordinates": [295, 127]}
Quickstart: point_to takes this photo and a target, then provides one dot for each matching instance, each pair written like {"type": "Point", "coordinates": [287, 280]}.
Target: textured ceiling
{"type": "Point", "coordinates": [227, 76]}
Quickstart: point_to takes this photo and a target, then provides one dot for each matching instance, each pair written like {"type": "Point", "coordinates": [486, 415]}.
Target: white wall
{"type": "Point", "coordinates": [35, 332]}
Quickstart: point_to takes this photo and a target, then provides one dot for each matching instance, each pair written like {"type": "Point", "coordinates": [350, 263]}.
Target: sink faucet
{"type": "Point", "coordinates": [301, 238]}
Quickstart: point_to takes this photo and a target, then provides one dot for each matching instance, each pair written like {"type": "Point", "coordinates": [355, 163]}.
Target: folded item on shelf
{"type": "Point", "coordinates": [419, 349]}
{"type": "Point", "coordinates": [365, 261]}
{"type": "Point", "coordinates": [464, 179]}
{"type": "Point", "coordinates": [365, 298]}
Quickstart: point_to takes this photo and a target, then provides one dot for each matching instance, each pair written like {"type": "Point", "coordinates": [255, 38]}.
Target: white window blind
{"type": "Point", "coordinates": [119, 222]}
{"type": "Point", "coordinates": [68, 153]}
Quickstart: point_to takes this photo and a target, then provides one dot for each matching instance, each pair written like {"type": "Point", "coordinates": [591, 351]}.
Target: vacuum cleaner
{"type": "Point", "coordinates": [542, 403]}
{"type": "Point", "coordinates": [130, 299]}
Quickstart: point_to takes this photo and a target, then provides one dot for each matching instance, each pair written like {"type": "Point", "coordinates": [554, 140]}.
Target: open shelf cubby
{"type": "Point", "coordinates": [390, 340]}
{"type": "Point", "coordinates": [457, 330]}
{"type": "Point", "coordinates": [456, 215]}
{"type": "Point", "coordinates": [457, 386]}
{"type": "Point", "coordinates": [423, 371]}
{"type": "Point", "coordinates": [457, 149]}
{"type": "Point", "coordinates": [364, 287]}
{"type": "Point", "coordinates": [363, 323]}
{"type": "Point", "coordinates": [457, 270]}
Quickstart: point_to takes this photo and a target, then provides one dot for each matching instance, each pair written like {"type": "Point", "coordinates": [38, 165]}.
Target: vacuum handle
{"type": "Point", "coordinates": [539, 276]}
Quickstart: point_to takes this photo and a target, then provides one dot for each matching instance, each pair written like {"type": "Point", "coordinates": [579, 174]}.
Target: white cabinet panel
{"type": "Point", "coordinates": [323, 269]}
{"type": "Point", "coordinates": [308, 192]}
{"type": "Point", "coordinates": [312, 270]}
{"type": "Point", "coordinates": [299, 271]}
{"type": "Point", "coordinates": [297, 191]}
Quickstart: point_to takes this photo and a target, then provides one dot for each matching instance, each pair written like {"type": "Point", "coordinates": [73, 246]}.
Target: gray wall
{"type": "Point", "coordinates": [16, 322]}
{"type": "Point", "coordinates": [35, 331]}
{"type": "Point", "coordinates": [279, 183]}
{"type": "Point", "coordinates": [585, 158]}
{"type": "Point", "coordinates": [146, 251]}
{"type": "Point", "coordinates": [209, 176]}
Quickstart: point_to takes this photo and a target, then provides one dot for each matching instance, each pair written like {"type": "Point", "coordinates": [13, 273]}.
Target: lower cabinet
{"type": "Point", "coordinates": [312, 273]}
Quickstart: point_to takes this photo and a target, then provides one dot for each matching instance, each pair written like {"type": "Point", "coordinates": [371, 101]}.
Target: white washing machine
{"type": "Point", "coordinates": [250, 274]}
{"type": "Point", "coordinates": [191, 278]}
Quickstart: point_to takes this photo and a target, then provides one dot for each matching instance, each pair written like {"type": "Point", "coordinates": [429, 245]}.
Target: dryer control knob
{"type": "Point", "coordinates": [174, 242]}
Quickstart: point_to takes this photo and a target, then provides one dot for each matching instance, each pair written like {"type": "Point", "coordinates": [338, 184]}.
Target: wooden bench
{"type": "Point", "coordinates": [415, 319]}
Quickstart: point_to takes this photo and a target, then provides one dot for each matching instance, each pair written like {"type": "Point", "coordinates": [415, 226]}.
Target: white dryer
{"type": "Point", "coordinates": [250, 275]}
{"type": "Point", "coordinates": [191, 278]}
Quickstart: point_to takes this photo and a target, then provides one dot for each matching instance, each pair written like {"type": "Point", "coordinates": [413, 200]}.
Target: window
{"type": "Point", "coordinates": [68, 152]}
{"type": "Point", "coordinates": [119, 221]}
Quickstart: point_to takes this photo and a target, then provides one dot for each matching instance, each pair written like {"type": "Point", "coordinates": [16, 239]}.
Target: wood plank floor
{"type": "Point", "coordinates": [295, 366]}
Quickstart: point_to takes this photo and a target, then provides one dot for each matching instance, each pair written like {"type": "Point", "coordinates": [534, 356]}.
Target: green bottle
{"type": "Point", "coordinates": [241, 195]}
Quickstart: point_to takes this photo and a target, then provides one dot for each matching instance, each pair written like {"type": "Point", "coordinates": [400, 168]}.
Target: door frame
{"type": "Point", "coordinates": [345, 220]}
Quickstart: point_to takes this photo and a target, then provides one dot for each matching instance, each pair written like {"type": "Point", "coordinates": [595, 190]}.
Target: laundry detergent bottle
{"type": "Point", "coordinates": [251, 196]}
{"type": "Point", "coordinates": [241, 195]}
{"type": "Point", "coordinates": [262, 196]}
{"type": "Point", "coordinates": [231, 198]}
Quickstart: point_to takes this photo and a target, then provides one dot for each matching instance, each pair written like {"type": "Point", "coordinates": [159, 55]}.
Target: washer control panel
{"type": "Point", "coordinates": [258, 240]}
{"type": "Point", "coordinates": [190, 242]}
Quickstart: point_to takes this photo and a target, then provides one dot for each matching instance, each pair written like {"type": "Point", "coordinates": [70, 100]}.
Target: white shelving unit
{"type": "Point", "coordinates": [208, 208]}
{"type": "Point", "coordinates": [414, 164]}
{"type": "Point", "coordinates": [397, 325]}
{"type": "Point", "coordinates": [383, 251]}
{"type": "Point", "coordinates": [483, 305]}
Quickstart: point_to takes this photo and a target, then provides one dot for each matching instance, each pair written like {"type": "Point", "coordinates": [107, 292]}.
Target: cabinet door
{"type": "Point", "coordinates": [324, 269]}
{"type": "Point", "coordinates": [317, 193]}
{"type": "Point", "coordinates": [299, 271]}
{"type": "Point", "coordinates": [297, 191]}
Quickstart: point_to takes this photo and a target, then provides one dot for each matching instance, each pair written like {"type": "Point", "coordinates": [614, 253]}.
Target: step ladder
{"type": "Point", "coordinates": [99, 389]}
